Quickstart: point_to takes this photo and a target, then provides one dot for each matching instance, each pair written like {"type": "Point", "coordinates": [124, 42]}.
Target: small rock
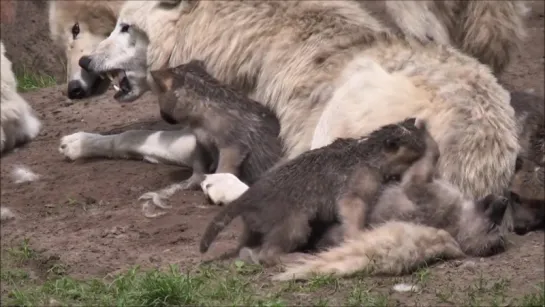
{"type": "Point", "coordinates": [406, 288]}
{"type": "Point", "coordinates": [153, 259]}
{"type": "Point", "coordinates": [6, 214]}
{"type": "Point", "coordinates": [469, 265]}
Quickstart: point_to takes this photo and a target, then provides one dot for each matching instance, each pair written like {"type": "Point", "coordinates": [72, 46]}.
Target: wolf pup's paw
{"type": "Point", "coordinates": [223, 188]}
{"type": "Point", "coordinates": [72, 145]}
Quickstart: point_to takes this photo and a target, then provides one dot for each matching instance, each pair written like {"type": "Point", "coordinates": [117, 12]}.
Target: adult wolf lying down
{"type": "Point", "coordinates": [490, 31]}
{"type": "Point", "coordinates": [301, 57]}
{"type": "Point", "coordinates": [18, 122]}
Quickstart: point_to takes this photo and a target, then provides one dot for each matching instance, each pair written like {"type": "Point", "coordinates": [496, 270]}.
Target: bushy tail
{"type": "Point", "coordinates": [220, 221]}
{"type": "Point", "coordinates": [490, 31]}
{"type": "Point", "coordinates": [391, 248]}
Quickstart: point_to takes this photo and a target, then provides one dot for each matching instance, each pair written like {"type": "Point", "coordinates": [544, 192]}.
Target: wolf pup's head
{"type": "Point", "coordinates": [173, 91]}
{"type": "Point", "coordinates": [481, 228]}
{"type": "Point", "coordinates": [400, 145]}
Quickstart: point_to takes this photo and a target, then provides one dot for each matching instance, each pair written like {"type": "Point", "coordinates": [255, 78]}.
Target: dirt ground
{"type": "Point", "coordinates": [86, 214]}
{"type": "Point", "coordinates": [25, 34]}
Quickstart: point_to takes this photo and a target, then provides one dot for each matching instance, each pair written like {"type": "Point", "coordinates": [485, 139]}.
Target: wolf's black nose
{"type": "Point", "coordinates": [84, 62]}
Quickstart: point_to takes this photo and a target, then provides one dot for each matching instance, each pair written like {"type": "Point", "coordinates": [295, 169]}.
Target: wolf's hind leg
{"type": "Point", "coordinates": [287, 237]}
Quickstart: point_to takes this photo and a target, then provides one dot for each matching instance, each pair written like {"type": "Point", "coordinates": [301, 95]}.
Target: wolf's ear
{"type": "Point", "coordinates": [420, 123]}
{"type": "Point", "coordinates": [163, 78]}
{"type": "Point", "coordinates": [496, 210]}
{"type": "Point", "coordinates": [518, 164]}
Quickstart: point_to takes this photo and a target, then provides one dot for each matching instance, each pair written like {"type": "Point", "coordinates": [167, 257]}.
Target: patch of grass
{"type": "Point", "coordinates": [28, 81]}
{"type": "Point", "coordinates": [31, 279]}
{"type": "Point", "coordinates": [534, 299]}
{"type": "Point", "coordinates": [147, 288]}
{"type": "Point", "coordinates": [23, 252]}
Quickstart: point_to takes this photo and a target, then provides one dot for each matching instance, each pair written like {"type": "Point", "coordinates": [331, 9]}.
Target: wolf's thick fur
{"type": "Point", "coordinates": [491, 31]}
{"type": "Point", "coordinates": [367, 98]}
{"type": "Point", "coordinates": [290, 55]}
{"type": "Point", "coordinates": [280, 209]}
{"type": "Point", "coordinates": [18, 120]}
{"type": "Point", "coordinates": [472, 227]}
{"type": "Point", "coordinates": [242, 132]}
{"type": "Point", "coordinates": [78, 26]}
{"type": "Point", "coordinates": [487, 30]}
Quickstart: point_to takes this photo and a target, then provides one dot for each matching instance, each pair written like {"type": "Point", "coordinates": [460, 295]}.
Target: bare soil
{"type": "Point", "coordinates": [25, 34]}
{"type": "Point", "coordinates": [85, 214]}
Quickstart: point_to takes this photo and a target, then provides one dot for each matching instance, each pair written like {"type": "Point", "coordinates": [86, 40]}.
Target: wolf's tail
{"type": "Point", "coordinates": [391, 248]}
{"type": "Point", "coordinates": [220, 221]}
{"type": "Point", "coordinates": [490, 31]}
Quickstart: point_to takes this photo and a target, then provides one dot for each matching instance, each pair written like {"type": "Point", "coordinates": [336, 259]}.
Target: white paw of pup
{"type": "Point", "coordinates": [71, 145]}
{"type": "Point", "coordinates": [223, 188]}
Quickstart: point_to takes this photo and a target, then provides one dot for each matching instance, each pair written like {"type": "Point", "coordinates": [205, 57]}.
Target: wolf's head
{"type": "Point", "coordinates": [481, 228]}
{"type": "Point", "coordinates": [125, 52]}
{"type": "Point", "coordinates": [78, 27]}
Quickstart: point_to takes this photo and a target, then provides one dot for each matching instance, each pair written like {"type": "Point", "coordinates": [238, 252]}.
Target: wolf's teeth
{"type": "Point", "coordinates": [117, 88]}
{"type": "Point", "coordinates": [109, 75]}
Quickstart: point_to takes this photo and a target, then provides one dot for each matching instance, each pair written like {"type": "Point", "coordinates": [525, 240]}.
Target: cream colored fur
{"type": "Point", "coordinates": [369, 97]}
{"type": "Point", "coordinates": [18, 122]}
{"type": "Point", "coordinates": [95, 18]}
{"type": "Point", "coordinates": [491, 31]}
{"type": "Point", "coordinates": [292, 66]}
{"type": "Point", "coordinates": [391, 248]}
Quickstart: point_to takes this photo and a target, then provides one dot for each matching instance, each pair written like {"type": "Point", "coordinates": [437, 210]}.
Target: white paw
{"type": "Point", "coordinates": [223, 188]}
{"type": "Point", "coordinates": [72, 145]}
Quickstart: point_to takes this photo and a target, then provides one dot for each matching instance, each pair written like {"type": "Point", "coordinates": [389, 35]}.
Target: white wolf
{"type": "Point", "coordinates": [296, 74]}
{"type": "Point", "coordinates": [78, 26]}
{"type": "Point", "coordinates": [19, 123]}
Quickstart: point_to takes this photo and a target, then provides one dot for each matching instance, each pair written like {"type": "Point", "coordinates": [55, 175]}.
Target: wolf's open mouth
{"type": "Point", "coordinates": [120, 83]}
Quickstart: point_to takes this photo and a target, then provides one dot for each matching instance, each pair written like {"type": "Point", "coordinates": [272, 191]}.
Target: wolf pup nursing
{"type": "Point", "coordinates": [241, 134]}
{"type": "Point", "coordinates": [280, 208]}
{"type": "Point", "coordinates": [411, 223]}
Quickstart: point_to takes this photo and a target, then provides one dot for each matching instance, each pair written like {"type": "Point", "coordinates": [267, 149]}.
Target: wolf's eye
{"type": "Point", "coordinates": [75, 30]}
{"type": "Point", "coordinates": [124, 28]}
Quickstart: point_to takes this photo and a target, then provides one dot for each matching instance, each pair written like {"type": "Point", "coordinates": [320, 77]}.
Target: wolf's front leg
{"type": "Point", "coordinates": [168, 147]}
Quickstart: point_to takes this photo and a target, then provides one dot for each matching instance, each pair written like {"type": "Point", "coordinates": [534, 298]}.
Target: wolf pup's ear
{"type": "Point", "coordinates": [420, 123]}
{"type": "Point", "coordinates": [518, 164]}
{"type": "Point", "coordinates": [496, 210]}
{"type": "Point", "coordinates": [163, 78]}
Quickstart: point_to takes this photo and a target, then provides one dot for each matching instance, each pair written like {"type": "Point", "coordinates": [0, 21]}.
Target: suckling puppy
{"type": "Point", "coordinates": [241, 133]}
{"type": "Point", "coordinates": [280, 208]}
